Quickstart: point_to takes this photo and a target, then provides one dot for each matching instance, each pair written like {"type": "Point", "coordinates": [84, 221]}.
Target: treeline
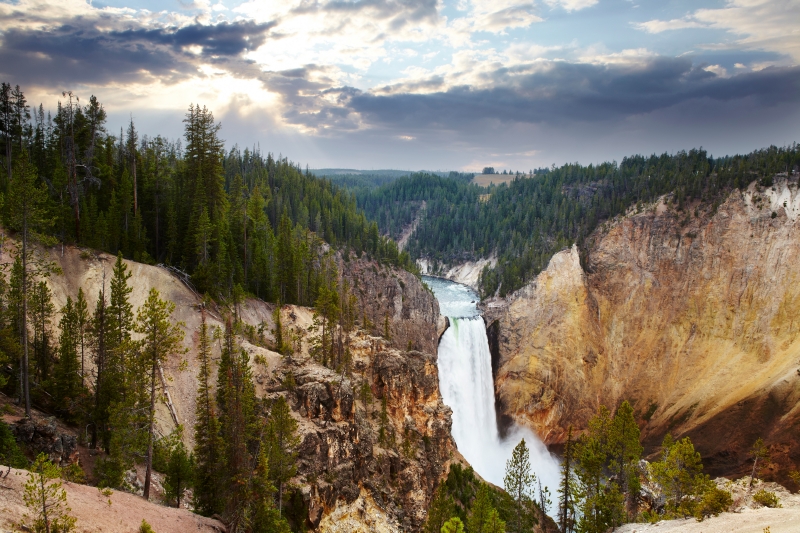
{"type": "Point", "coordinates": [104, 374]}
{"type": "Point", "coordinates": [235, 220]}
{"type": "Point", "coordinates": [527, 220]}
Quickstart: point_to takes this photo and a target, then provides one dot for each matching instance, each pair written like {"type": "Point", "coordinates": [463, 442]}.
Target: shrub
{"type": "Point", "coordinates": [145, 527]}
{"type": "Point", "coordinates": [713, 502]}
{"type": "Point", "coordinates": [766, 498]}
{"type": "Point", "coordinates": [10, 454]}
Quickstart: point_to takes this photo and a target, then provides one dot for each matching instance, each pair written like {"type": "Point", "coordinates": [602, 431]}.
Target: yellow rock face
{"type": "Point", "coordinates": [694, 319]}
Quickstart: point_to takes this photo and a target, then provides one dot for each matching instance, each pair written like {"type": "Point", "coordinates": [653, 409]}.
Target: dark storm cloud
{"type": "Point", "coordinates": [227, 39]}
{"type": "Point", "coordinates": [79, 52]}
{"type": "Point", "coordinates": [577, 92]}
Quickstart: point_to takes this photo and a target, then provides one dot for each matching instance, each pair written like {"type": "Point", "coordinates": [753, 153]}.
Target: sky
{"type": "Point", "coordinates": [425, 84]}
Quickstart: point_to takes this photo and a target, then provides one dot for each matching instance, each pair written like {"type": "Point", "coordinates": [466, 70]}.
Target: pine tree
{"type": "Point", "coordinates": [46, 499]}
{"type": "Point", "coordinates": [179, 473]}
{"type": "Point", "coordinates": [26, 206]}
{"type": "Point", "coordinates": [264, 517]}
{"type": "Point", "coordinates": [236, 400]}
{"type": "Point", "coordinates": [479, 513]}
{"type": "Point", "coordinates": [453, 525]}
{"type": "Point", "coordinates": [209, 447]}
{"type": "Point", "coordinates": [282, 442]}
{"type": "Point", "coordinates": [624, 453]}
{"type": "Point", "coordinates": [81, 330]}
{"type": "Point", "coordinates": [602, 501]}
{"type": "Point", "coordinates": [98, 329]}
{"type": "Point", "coordinates": [68, 387]}
{"type": "Point", "coordinates": [440, 510]}
{"type": "Point", "coordinates": [160, 340]}
{"type": "Point", "coordinates": [567, 488]}
{"type": "Point", "coordinates": [518, 483]}
{"type": "Point", "coordinates": [759, 451]}
{"type": "Point", "coordinates": [493, 523]}
{"type": "Point", "coordinates": [41, 310]}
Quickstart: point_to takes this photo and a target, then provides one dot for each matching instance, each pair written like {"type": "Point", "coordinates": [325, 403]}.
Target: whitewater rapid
{"type": "Point", "coordinates": [467, 386]}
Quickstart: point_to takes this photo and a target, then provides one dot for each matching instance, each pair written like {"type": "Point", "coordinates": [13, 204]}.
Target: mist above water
{"type": "Point", "coordinates": [467, 386]}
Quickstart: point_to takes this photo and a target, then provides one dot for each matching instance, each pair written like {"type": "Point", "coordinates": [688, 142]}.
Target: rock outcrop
{"type": "Point", "coordinates": [692, 316]}
{"type": "Point", "coordinates": [377, 462]}
{"type": "Point", "coordinates": [369, 465]}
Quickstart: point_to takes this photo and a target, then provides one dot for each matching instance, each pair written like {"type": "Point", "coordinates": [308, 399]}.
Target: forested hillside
{"type": "Point", "coordinates": [525, 222]}
{"type": "Point", "coordinates": [234, 220]}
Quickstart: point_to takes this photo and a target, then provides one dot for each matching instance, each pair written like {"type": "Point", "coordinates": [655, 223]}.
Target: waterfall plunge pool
{"type": "Point", "coordinates": [467, 386]}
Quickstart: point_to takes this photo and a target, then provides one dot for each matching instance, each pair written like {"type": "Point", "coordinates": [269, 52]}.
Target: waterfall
{"type": "Point", "coordinates": [467, 386]}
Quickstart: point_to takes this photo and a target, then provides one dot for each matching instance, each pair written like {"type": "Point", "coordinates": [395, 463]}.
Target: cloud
{"type": "Point", "coordinates": [760, 24]}
{"type": "Point", "coordinates": [559, 93]}
{"type": "Point", "coordinates": [101, 46]}
{"type": "Point", "coordinates": [572, 5]}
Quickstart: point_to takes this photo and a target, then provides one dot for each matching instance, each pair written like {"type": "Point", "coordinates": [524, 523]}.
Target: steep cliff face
{"type": "Point", "coordinates": [370, 466]}
{"type": "Point", "coordinates": [693, 317]}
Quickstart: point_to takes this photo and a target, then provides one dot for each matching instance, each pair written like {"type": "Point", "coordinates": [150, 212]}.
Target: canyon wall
{"type": "Point", "coordinates": [692, 316]}
{"type": "Point", "coordinates": [363, 465]}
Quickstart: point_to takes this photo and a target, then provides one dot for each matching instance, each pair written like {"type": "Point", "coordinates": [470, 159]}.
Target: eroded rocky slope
{"type": "Point", "coordinates": [361, 465]}
{"type": "Point", "coordinates": [693, 316]}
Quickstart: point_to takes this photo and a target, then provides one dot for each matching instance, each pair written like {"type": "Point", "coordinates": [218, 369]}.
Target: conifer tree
{"type": "Point", "coordinates": [98, 330]}
{"type": "Point", "coordinates": [236, 400]}
{"type": "Point", "coordinates": [493, 523]}
{"type": "Point", "coordinates": [624, 452]}
{"type": "Point", "coordinates": [518, 483]}
{"type": "Point", "coordinates": [440, 510]}
{"type": "Point", "coordinates": [81, 329]}
{"type": "Point", "coordinates": [179, 473]}
{"type": "Point", "coordinates": [567, 488]}
{"type": "Point", "coordinates": [120, 324]}
{"type": "Point", "coordinates": [68, 386]}
{"type": "Point", "coordinates": [480, 510]}
{"type": "Point", "coordinates": [41, 310]}
{"type": "Point", "coordinates": [453, 525]}
{"type": "Point", "coordinates": [209, 447]}
{"type": "Point", "coordinates": [282, 442]}
{"type": "Point", "coordinates": [264, 517]}
{"type": "Point", "coordinates": [46, 499]}
{"type": "Point", "coordinates": [160, 339]}
{"type": "Point", "coordinates": [26, 205]}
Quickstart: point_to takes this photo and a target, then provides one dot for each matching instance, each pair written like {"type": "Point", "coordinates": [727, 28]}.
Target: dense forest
{"type": "Point", "coordinates": [523, 223]}
{"type": "Point", "coordinates": [230, 219]}
{"type": "Point", "coordinates": [231, 223]}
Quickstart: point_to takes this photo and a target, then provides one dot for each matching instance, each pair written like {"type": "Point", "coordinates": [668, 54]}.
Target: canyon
{"type": "Point", "coordinates": [692, 316]}
{"type": "Point", "coordinates": [348, 476]}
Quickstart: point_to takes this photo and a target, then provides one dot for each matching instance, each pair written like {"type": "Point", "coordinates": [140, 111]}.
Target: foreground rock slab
{"type": "Point", "coordinates": [748, 521]}
{"type": "Point", "coordinates": [119, 513]}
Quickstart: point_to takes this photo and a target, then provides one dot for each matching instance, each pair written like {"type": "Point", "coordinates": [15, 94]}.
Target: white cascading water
{"type": "Point", "coordinates": [467, 386]}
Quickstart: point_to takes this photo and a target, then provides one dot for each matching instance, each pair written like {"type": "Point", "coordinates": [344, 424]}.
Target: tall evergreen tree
{"type": "Point", "coordinates": [68, 387]}
{"type": "Point", "coordinates": [160, 339]}
{"type": "Point", "coordinates": [518, 482]}
{"type": "Point", "coordinates": [26, 212]}
{"type": "Point", "coordinates": [567, 488]}
{"type": "Point", "coordinates": [282, 442]}
{"type": "Point", "coordinates": [209, 447]}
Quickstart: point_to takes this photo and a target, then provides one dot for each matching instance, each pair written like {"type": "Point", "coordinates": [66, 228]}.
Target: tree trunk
{"type": "Point", "coordinates": [25, 377]}
{"type": "Point", "coordinates": [44, 501]}
{"type": "Point", "coordinates": [151, 423]}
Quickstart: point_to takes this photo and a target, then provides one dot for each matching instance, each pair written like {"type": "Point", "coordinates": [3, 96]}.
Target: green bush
{"type": "Point", "coordinates": [713, 502]}
{"type": "Point", "coordinates": [766, 498]}
{"type": "Point", "coordinates": [145, 527]}
{"type": "Point", "coordinates": [10, 453]}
